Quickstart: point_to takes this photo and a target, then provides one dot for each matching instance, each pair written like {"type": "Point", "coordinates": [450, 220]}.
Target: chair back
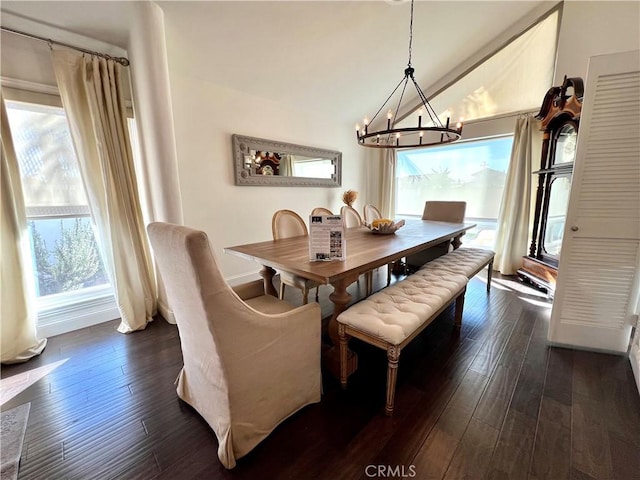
{"type": "Point", "coordinates": [287, 223]}
{"type": "Point", "coordinates": [350, 217]}
{"type": "Point", "coordinates": [443, 211]}
{"type": "Point", "coordinates": [371, 213]}
{"type": "Point", "coordinates": [201, 300]}
{"type": "Point", "coordinates": [321, 211]}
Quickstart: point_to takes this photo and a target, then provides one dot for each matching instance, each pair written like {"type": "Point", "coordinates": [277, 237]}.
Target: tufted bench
{"type": "Point", "coordinates": [464, 261]}
{"type": "Point", "coordinates": [392, 317]}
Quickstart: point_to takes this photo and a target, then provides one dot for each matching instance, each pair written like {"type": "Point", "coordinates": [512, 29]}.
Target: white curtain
{"type": "Point", "coordinates": [19, 340]}
{"type": "Point", "coordinates": [512, 234]}
{"type": "Point", "coordinates": [90, 89]}
{"type": "Point", "coordinates": [387, 182]}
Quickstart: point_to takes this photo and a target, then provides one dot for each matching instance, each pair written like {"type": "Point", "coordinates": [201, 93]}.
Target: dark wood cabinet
{"type": "Point", "coordinates": [559, 120]}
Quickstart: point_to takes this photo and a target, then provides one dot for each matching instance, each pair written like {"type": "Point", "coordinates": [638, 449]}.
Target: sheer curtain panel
{"type": "Point", "coordinates": [512, 234]}
{"type": "Point", "coordinates": [19, 341]}
{"type": "Point", "coordinates": [90, 89]}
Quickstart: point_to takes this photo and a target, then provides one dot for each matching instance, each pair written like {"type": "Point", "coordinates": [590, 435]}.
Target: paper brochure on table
{"type": "Point", "coordinates": [326, 238]}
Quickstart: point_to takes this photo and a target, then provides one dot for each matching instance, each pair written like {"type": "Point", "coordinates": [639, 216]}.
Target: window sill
{"type": "Point", "coordinates": [62, 313]}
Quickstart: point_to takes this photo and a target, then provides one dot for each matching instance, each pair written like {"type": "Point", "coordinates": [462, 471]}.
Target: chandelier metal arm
{"type": "Point", "coordinates": [395, 115]}
{"type": "Point", "coordinates": [427, 106]}
{"type": "Point", "coordinates": [387, 100]}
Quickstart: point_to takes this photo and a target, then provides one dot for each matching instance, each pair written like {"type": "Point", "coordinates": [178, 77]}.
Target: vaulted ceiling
{"type": "Point", "coordinates": [339, 58]}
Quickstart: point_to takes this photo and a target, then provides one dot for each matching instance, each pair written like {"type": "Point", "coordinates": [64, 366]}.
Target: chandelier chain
{"type": "Point", "coordinates": [410, 33]}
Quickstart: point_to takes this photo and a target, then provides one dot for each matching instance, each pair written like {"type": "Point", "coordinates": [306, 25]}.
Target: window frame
{"type": "Point", "coordinates": [477, 220]}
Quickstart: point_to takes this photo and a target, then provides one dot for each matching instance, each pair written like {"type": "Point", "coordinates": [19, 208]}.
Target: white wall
{"type": "Point", "coordinates": [595, 28]}
{"type": "Point", "coordinates": [206, 116]}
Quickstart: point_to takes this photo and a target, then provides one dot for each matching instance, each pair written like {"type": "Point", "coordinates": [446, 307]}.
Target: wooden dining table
{"type": "Point", "coordinates": [365, 251]}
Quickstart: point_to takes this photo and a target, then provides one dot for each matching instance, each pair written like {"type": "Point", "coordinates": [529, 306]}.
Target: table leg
{"type": "Point", "coordinates": [456, 242]}
{"type": "Point", "coordinates": [267, 274]}
{"type": "Point", "coordinates": [340, 298]}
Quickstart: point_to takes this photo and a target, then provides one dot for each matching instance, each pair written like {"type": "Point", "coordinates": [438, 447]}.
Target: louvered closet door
{"type": "Point", "coordinates": [598, 274]}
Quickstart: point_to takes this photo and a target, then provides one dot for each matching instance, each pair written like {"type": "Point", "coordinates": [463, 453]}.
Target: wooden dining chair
{"type": "Point", "coordinates": [371, 213]}
{"type": "Point", "coordinates": [321, 211]}
{"type": "Point", "coordinates": [285, 224]}
{"type": "Point", "coordinates": [350, 217]}
{"type": "Point", "coordinates": [437, 211]}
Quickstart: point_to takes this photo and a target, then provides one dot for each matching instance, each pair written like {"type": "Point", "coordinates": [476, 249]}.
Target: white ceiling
{"type": "Point", "coordinates": [341, 58]}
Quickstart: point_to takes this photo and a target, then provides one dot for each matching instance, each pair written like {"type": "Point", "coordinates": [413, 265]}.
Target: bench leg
{"type": "Point", "coordinates": [489, 273]}
{"type": "Point", "coordinates": [393, 355]}
{"type": "Point", "coordinates": [344, 341]}
{"type": "Point", "coordinates": [459, 309]}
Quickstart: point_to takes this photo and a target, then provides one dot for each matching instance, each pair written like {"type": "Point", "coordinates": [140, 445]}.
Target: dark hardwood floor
{"type": "Point", "coordinates": [491, 402]}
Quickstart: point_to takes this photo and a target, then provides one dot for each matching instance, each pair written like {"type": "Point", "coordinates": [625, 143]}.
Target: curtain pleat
{"type": "Point", "coordinates": [18, 317]}
{"type": "Point", "coordinates": [90, 89]}
{"type": "Point", "coordinates": [388, 182]}
{"type": "Point", "coordinates": [512, 234]}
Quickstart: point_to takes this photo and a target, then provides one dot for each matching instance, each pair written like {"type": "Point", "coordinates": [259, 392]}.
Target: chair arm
{"type": "Point", "coordinates": [250, 289]}
{"type": "Point", "coordinates": [287, 339]}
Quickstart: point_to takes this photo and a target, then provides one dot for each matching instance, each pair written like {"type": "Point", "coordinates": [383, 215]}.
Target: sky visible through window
{"type": "Point", "coordinates": [463, 160]}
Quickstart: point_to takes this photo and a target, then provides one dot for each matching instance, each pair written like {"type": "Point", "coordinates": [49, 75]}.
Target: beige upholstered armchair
{"type": "Point", "coordinates": [250, 359]}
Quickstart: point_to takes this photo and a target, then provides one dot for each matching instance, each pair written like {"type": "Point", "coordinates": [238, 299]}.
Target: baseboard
{"type": "Point", "coordinates": [634, 358]}
{"type": "Point", "coordinates": [87, 314]}
{"type": "Point", "coordinates": [166, 312]}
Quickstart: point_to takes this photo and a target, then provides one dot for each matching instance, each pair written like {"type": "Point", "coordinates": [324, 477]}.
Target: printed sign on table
{"type": "Point", "coordinates": [326, 238]}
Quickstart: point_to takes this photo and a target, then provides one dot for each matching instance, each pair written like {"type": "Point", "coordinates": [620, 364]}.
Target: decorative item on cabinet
{"type": "Point", "coordinates": [559, 119]}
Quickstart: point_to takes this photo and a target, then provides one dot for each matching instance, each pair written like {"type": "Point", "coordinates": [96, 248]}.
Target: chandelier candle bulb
{"type": "Point", "coordinates": [420, 122]}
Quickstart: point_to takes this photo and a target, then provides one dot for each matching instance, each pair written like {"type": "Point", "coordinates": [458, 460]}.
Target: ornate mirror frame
{"type": "Point", "coordinates": [245, 175]}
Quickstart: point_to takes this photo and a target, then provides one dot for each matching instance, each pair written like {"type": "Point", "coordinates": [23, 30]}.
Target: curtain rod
{"type": "Point", "coordinates": [121, 60]}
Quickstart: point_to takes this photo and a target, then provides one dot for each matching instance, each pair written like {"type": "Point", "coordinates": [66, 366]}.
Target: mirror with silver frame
{"type": "Point", "coordinates": [269, 163]}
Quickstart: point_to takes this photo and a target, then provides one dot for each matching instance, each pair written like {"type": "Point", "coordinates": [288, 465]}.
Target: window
{"type": "Point", "coordinates": [68, 269]}
{"type": "Point", "coordinates": [472, 171]}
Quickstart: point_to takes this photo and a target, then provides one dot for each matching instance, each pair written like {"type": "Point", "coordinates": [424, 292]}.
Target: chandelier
{"type": "Point", "coordinates": [428, 131]}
